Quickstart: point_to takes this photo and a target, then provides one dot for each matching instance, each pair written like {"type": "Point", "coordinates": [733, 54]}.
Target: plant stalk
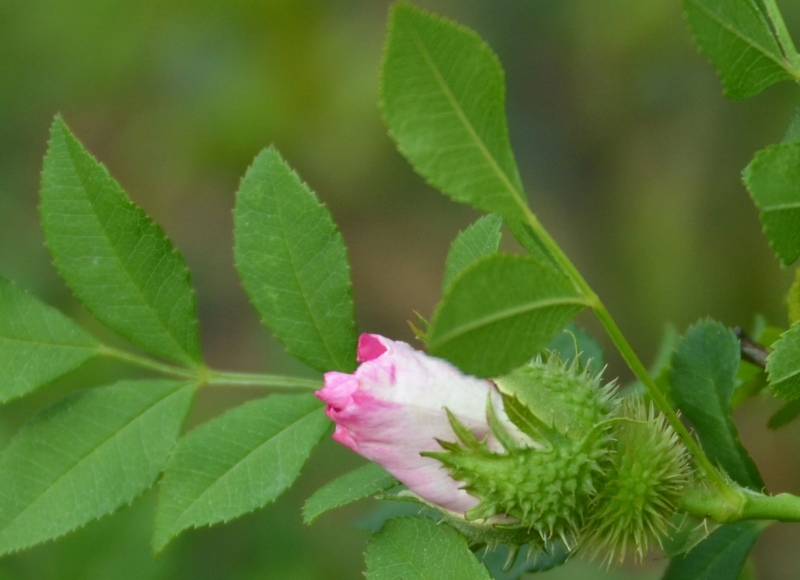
{"type": "Point", "coordinates": [784, 38]}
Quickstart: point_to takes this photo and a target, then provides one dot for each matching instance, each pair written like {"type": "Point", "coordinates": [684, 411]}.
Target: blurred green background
{"type": "Point", "coordinates": [630, 155]}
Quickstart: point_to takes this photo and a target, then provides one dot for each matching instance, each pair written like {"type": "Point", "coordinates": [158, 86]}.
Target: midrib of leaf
{"type": "Point", "coordinates": [507, 313]}
{"type": "Point", "coordinates": [48, 343]}
{"type": "Point", "coordinates": [402, 552]}
{"type": "Point", "coordinates": [300, 285]}
{"type": "Point", "coordinates": [778, 207]}
{"type": "Point", "coordinates": [517, 195]}
{"type": "Point", "coordinates": [779, 61]}
{"type": "Point", "coordinates": [716, 557]}
{"type": "Point", "coordinates": [91, 452]}
{"type": "Point", "coordinates": [216, 482]}
{"type": "Point", "coordinates": [124, 264]}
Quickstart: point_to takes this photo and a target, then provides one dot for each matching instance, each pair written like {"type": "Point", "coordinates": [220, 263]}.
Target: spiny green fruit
{"type": "Point", "coordinates": [548, 486]}
{"type": "Point", "coordinates": [548, 394]}
{"type": "Point", "coordinates": [650, 469]}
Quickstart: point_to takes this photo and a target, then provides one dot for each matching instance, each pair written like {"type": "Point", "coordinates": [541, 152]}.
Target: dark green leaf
{"type": "Point", "coordinates": [785, 415]}
{"type": "Point", "coordinates": [772, 179]}
{"type": "Point", "coordinates": [572, 341]}
{"type": "Point", "coordinates": [364, 482]}
{"type": "Point", "coordinates": [420, 549]}
{"type": "Point", "coordinates": [525, 563]}
{"type": "Point", "coordinates": [86, 456]}
{"type": "Point", "coordinates": [531, 242]}
{"type": "Point", "coordinates": [443, 97]}
{"type": "Point", "coordinates": [702, 378]}
{"type": "Point", "coordinates": [294, 266]}
{"type": "Point", "coordinates": [477, 241]}
{"type": "Point", "coordinates": [793, 131]}
{"type": "Point", "coordinates": [783, 364]}
{"type": "Point", "coordinates": [113, 257]}
{"type": "Point", "coordinates": [37, 343]}
{"type": "Point", "coordinates": [237, 463]}
{"type": "Point", "coordinates": [500, 312]}
{"type": "Point", "coordinates": [721, 556]}
{"type": "Point", "coordinates": [736, 36]}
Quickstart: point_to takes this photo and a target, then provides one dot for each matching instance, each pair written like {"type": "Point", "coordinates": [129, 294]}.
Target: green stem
{"type": "Point", "coordinates": [785, 39]}
{"type": "Point", "coordinates": [627, 352]}
{"type": "Point", "coordinates": [211, 377]}
{"type": "Point", "coordinates": [749, 505]}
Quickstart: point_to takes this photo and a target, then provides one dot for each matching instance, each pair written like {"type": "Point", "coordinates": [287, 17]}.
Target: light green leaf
{"type": "Point", "coordinates": [500, 312]}
{"type": "Point", "coordinates": [443, 97]}
{"type": "Point", "coordinates": [85, 456]}
{"type": "Point", "coordinates": [477, 241]}
{"type": "Point", "coordinates": [530, 241]}
{"type": "Point", "coordinates": [702, 380]}
{"type": "Point", "coordinates": [412, 548]}
{"type": "Point", "coordinates": [237, 463]}
{"type": "Point", "coordinates": [783, 365]}
{"type": "Point", "coordinates": [361, 483]}
{"type": "Point", "coordinates": [736, 36]}
{"type": "Point", "coordinates": [38, 344]}
{"type": "Point", "coordinates": [113, 257]}
{"type": "Point", "coordinates": [772, 179]}
{"type": "Point", "coordinates": [721, 556]}
{"type": "Point", "coordinates": [293, 264]}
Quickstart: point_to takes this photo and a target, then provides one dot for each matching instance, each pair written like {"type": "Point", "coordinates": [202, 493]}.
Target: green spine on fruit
{"type": "Point", "coordinates": [650, 469]}
{"type": "Point", "coordinates": [546, 488]}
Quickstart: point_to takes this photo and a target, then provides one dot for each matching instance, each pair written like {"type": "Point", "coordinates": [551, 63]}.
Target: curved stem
{"type": "Point", "coordinates": [625, 349]}
{"type": "Point", "coordinates": [211, 377]}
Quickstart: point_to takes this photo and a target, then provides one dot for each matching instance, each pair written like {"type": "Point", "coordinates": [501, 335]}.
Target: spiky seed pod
{"type": "Point", "coordinates": [546, 487]}
{"type": "Point", "coordinates": [650, 470]}
{"type": "Point", "coordinates": [548, 394]}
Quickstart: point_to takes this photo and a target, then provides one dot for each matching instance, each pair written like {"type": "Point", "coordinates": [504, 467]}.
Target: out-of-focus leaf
{"type": "Point", "coordinates": [37, 343]}
{"type": "Point", "coordinates": [704, 367]}
{"type": "Point", "coordinates": [113, 257]}
{"type": "Point", "coordinates": [477, 241]}
{"type": "Point", "coordinates": [738, 39]}
{"type": "Point", "coordinates": [495, 560]}
{"type": "Point", "coordinates": [721, 556]}
{"type": "Point", "coordinates": [500, 312]}
{"type": "Point", "coordinates": [793, 131]}
{"type": "Point", "coordinates": [361, 483]}
{"type": "Point", "coordinates": [86, 456]}
{"type": "Point", "coordinates": [420, 549]}
{"type": "Point", "coordinates": [237, 463]}
{"type": "Point", "coordinates": [783, 365]}
{"type": "Point", "coordinates": [794, 298]}
{"type": "Point", "coordinates": [785, 415]}
{"type": "Point", "coordinates": [772, 178]}
{"type": "Point", "coordinates": [574, 340]}
{"type": "Point", "coordinates": [293, 264]}
{"type": "Point", "coordinates": [443, 97]}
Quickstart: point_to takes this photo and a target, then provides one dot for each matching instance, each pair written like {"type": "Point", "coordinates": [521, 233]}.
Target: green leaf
{"type": "Point", "coordinates": [573, 341]}
{"type": "Point", "coordinates": [113, 257]}
{"type": "Point", "coordinates": [785, 415]}
{"type": "Point", "coordinates": [443, 97]}
{"type": "Point", "coordinates": [525, 563]}
{"type": "Point", "coordinates": [361, 483]}
{"type": "Point", "coordinates": [412, 548]}
{"type": "Point", "coordinates": [793, 131]}
{"type": "Point", "coordinates": [293, 264]}
{"type": "Point", "coordinates": [500, 312]}
{"type": "Point", "coordinates": [531, 242]}
{"type": "Point", "coordinates": [237, 463]}
{"type": "Point", "coordinates": [772, 178]}
{"type": "Point", "coordinates": [794, 298]}
{"type": "Point", "coordinates": [702, 378]}
{"type": "Point", "coordinates": [85, 456]}
{"type": "Point", "coordinates": [477, 241]}
{"type": "Point", "coordinates": [783, 365]}
{"type": "Point", "coordinates": [736, 36]}
{"type": "Point", "coordinates": [38, 344]}
{"type": "Point", "coordinates": [721, 556]}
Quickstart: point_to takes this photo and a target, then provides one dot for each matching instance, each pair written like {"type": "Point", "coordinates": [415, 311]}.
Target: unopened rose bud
{"type": "Point", "coordinates": [394, 407]}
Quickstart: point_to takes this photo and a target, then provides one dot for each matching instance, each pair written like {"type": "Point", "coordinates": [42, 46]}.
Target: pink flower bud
{"type": "Point", "coordinates": [393, 408]}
